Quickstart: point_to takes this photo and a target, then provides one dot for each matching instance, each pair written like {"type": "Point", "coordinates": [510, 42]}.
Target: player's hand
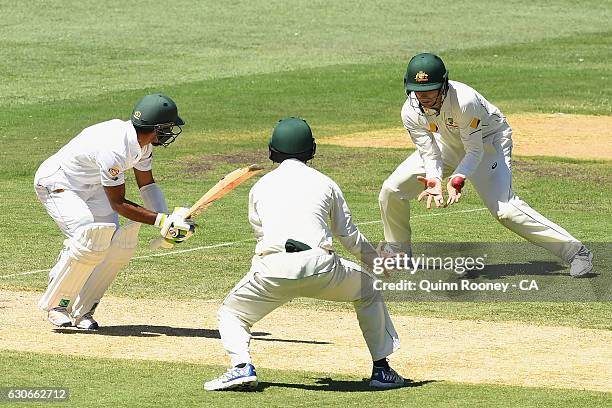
{"type": "Point", "coordinates": [175, 228]}
{"type": "Point", "coordinates": [454, 186]}
{"type": "Point", "coordinates": [433, 191]}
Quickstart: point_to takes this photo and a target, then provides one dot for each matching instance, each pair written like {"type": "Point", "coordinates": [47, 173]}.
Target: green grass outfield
{"type": "Point", "coordinates": [94, 382]}
{"type": "Point", "coordinates": [236, 69]}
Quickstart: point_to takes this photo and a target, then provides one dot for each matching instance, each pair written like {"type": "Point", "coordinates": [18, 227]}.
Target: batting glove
{"type": "Point", "coordinates": [174, 228]}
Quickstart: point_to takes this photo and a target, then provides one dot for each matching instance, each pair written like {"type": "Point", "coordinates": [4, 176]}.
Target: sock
{"type": "Point", "coordinates": [381, 363]}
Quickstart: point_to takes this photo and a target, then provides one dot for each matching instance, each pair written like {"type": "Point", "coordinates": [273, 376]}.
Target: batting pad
{"type": "Point", "coordinates": [122, 248]}
{"type": "Point", "coordinates": [82, 253]}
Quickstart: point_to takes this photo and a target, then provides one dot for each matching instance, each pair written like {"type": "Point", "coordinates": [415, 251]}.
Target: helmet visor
{"type": "Point", "coordinates": [167, 133]}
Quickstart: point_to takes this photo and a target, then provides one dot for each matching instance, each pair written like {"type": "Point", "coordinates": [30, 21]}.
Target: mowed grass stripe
{"type": "Point", "coordinates": [108, 382]}
{"type": "Point", "coordinates": [101, 48]}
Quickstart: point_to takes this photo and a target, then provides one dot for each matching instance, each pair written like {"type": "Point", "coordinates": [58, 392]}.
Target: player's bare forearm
{"type": "Point", "coordinates": [127, 208]}
{"type": "Point", "coordinates": [135, 212]}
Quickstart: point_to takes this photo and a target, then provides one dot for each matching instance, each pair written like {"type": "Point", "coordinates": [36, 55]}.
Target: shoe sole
{"type": "Point", "coordinates": [92, 327]}
{"type": "Point", "coordinates": [245, 382]}
{"type": "Point", "coordinates": [382, 385]}
{"type": "Point", "coordinates": [65, 324]}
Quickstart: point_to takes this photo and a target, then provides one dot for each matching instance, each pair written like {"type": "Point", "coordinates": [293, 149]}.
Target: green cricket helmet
{"type": "Point", "coordinates": [426, 72]}
{"type": "Point", "coordinates": [158, 112]}
{"type": "Point", "coordinates": [292, 139]}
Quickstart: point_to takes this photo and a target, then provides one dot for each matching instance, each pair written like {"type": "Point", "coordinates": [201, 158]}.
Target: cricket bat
{"type": "Point", "coordinates": [224, 186]}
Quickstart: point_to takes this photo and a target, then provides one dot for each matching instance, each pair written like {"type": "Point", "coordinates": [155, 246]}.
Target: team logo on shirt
{"type": "Point", "coordinates": [421, 76]}
{"type": "Point", "coordinates": [450, 122]}
{"type": "Point", "coordinates": [114, 171]}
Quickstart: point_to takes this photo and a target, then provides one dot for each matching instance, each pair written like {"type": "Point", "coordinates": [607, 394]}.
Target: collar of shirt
{"type": "Point", "coordinates": [291, 163]}
{"type": "Point", "coordinates": [134, 149]}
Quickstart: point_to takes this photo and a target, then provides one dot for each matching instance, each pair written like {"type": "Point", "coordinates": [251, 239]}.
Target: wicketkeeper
{"type": "Point", "coordinates": [82, 188]}
{"type": "Point", "coordinates": [294, 211]}
{"type": "Point", "coordinates": [461, 136]}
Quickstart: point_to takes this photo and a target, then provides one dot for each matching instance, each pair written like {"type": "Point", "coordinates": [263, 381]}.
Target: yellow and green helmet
{"type": "Point", "coordinates": [425, 72]}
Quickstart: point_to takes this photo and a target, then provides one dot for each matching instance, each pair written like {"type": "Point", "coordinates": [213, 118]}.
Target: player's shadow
{"type": "Point", "coordinates": [329, 384]}
{"type": "Point", "coordinates": [156, 331]}
{"type": "Point", "coordinates": [535, 268]}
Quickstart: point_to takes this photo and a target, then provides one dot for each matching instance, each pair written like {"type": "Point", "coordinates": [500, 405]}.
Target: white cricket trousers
{"type": "Point", "coordinates": [493, 182]}
{"type": "Point", "coordinates": [258, 294]}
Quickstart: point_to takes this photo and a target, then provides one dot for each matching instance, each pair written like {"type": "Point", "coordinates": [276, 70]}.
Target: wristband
{"type": "Point", "coordinates": [160, 219]}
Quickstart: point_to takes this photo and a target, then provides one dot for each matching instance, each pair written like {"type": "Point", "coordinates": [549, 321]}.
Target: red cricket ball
{"type": "Point", "coordinates": [457, 182]}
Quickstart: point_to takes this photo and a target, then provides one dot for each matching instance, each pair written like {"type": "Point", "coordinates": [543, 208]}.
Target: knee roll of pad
{"type": "Point", "coordinates": [124, 242]}
{"type": "Point", "coordinates": [90, 243]}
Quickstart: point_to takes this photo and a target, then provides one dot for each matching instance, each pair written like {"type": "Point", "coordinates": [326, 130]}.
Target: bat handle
{"type": "Point", "coordinates": [160, 243]}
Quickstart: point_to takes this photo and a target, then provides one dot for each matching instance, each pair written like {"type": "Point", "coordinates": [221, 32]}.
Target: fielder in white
{"type": "Point", "coordinates": [458, 133]}
{"type": "Point", "coordinates": [294, 211]}
{"type": "Point", "coordinates": [82, 188]}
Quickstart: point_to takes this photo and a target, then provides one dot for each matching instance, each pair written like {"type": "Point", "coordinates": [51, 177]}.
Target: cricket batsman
{"type": "Point", "coordinates": [295, 211]}
{"type": "Point", "coordinates": [82, 187]}
{"type": "Point", "coordinates": [462, 136]}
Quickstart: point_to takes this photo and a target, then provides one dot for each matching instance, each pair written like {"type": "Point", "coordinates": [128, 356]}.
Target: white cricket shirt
{"type": "Point", "coordinates": [98, 156]}
{"type": "Point", "coordinates": [298, 202]}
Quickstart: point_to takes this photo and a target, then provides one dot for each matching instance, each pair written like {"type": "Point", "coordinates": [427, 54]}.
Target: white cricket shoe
{"type": "Point", "coordinates": [86, 322]}
{"type": "Point", "coordinates": [59, 317]}
{"type": "Point", "coordinates": [581, 263]}
{"type": "Point", "coordinates": [235, 377]}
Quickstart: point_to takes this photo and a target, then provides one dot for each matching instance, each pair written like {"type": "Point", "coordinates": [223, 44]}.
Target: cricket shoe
{"type": "Point", "coordinates": [386, 377]}
{"type": "Point", "coordinates": [581, 263]}
{"type": "Point", "coordinates": [59, 317]}
{"type": "Point", "coordinates": [236, 377]}
{"type": "Point", "coordinates": [86, 322]}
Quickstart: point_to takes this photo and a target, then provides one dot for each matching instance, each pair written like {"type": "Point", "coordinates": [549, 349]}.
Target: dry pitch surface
{"type": "Point", "coordinates": [432, 349]}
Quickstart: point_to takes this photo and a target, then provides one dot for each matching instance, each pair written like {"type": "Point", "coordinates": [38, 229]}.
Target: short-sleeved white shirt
{"type": "Point", "coordinates": [98, 156]}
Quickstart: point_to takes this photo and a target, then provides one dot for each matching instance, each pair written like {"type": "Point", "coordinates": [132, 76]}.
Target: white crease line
{"type": "Point", "coordinates": [244, 240]}
{"type": "Point", "coordinates": [190, 249]}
